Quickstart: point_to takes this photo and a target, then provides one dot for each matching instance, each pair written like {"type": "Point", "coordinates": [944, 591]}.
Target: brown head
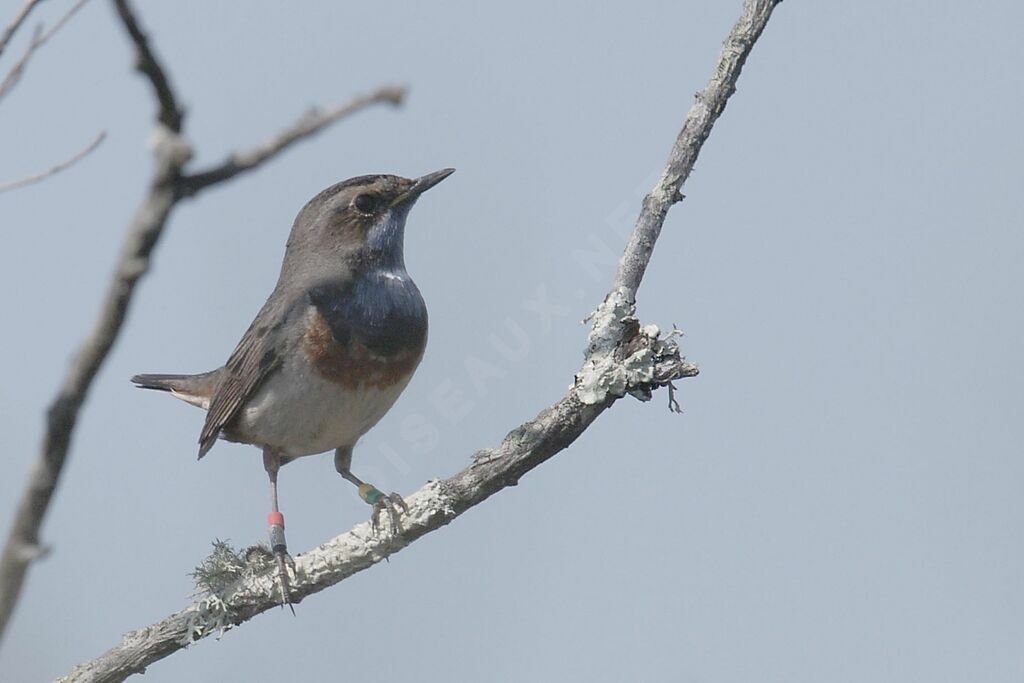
{"type": "Point", "coordinates": [356, 222]}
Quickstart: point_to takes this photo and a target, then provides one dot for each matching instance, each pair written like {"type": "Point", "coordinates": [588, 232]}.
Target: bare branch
{"type": "Point", "coordinates": [39, 38]}
{"type": "Point", "coordinates": [622, 357]}
{"type": "Point", "coordinates": [78, 156]}
{"type": "Point", "coordinates": [709, 105]}
{"type": "Point", "coordinates": [16, 23]}
{"type": "Point", "coordinates": [62, 414]}
{"type": "Point", "coordinates": [310, 124]}
{"type": "Point", "coordinates": [171, 153]}
{"type": "Point", "coordinates": [171, 114]}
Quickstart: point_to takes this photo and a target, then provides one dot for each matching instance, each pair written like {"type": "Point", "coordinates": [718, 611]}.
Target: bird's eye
{"type": "Point", "coordinates": [365, 203]}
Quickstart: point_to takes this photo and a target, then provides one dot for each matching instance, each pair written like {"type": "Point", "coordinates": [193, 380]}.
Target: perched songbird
{"type": "Point", "coordinates": [332, 348]}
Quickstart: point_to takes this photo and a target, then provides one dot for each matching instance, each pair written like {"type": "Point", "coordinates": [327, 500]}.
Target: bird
{"type": "Point", "coordinates": [330, 351]}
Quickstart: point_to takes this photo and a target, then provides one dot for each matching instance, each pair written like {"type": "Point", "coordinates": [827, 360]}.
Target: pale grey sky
{"type": "Point", "coordinates": [840, 500]}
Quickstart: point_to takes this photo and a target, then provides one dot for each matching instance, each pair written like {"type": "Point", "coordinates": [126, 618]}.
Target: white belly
{"type": "Point", "coordinates": [302, 413]}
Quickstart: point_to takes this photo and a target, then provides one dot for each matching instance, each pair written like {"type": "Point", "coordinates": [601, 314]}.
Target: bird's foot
{"type": "Point", "coordinates": [280, 548]}
{"type": "Point", "coordinates": [284, 561]}
{"type": "Point", "coordinates": [393, 504]}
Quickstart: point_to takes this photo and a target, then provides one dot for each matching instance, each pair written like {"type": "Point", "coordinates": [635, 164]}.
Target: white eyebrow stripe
{"type": "Point", "coordinates": [392, 276]}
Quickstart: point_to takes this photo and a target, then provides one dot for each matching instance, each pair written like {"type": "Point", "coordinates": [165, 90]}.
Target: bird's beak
{"type": "Point", "coordinates": [423, 184]}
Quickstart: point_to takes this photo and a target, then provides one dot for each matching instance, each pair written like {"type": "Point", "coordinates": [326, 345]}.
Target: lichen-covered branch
{"type": "Point", "coordinates": [623, 357]}
{"type": "Point", "coordinates": [430, 508]}
{"type": "Point", "coordinates": [166, 188]}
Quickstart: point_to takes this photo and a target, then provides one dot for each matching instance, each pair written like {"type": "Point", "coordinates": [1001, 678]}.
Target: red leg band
{"type": "Point", "coordinates": [275, 518]}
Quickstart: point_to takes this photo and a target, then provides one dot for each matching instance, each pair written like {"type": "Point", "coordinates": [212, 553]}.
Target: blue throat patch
{"type": "Point", "coordinates": [381, 309]}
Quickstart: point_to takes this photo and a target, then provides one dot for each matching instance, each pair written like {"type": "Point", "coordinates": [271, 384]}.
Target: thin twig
{"type": "Point", "coordinates": [525, 447]}
{"type": "Point", "coordinates": [16, 23]}
{"type": "Point", "coordinates": [309, 124]}
{"type": "Point", "coordinates": [709, 105]}
{"type": "Point", "coordinates": [171, 114]}
{"type": "Point", "coordinates": [57, 168]}
{"type": "Point", "coordinates": [172, 154]}
{"type": "Point", "coordinates": [39, 38]}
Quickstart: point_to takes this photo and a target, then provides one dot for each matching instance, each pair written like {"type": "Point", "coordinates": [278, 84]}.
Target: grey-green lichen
{"type": "Point", "coordinates": [622, 356]}
{"type": "Point", "coordinates": [601, 373]}
{"type": "Point", "coordinates": [206, 617]}
{"type": "Point", "coordinates": [220, 577]}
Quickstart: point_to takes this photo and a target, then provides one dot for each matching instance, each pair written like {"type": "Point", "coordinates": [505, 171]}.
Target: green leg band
{"type": "Point", "coordinates": [370, 493]}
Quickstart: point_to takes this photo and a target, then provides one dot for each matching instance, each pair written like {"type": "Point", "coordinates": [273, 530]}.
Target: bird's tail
{"type": "Point", "coordinates": [160, 382]}
{"type": "Point", "coordinates": [194, 389]}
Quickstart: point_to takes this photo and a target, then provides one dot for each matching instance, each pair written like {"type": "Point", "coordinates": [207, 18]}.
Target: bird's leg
{"type": "Point", "coordinates": [278, 544]}
{"type": "Point", "coordinates": [371, 494]}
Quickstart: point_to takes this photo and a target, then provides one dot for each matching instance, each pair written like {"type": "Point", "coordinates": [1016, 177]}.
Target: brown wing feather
{"type": "Point", "coordinates": [253, 359]}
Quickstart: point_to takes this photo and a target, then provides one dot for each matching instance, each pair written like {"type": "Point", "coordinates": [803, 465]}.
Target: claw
{"type": "Point", "coordinates": [399, 501]}
{"type": "Point", "coordinates": [391, 504]}
{"type": "Point", "coordinates": [279, 546]}
{"type": "Point", "coordinates": [284, 560]}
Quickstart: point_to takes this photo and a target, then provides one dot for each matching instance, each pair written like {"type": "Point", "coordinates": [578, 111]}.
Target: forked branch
{"type": "Point", "coordinates": [16, 23]}
{"type": "Point", "coordinates": [39, 38]}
